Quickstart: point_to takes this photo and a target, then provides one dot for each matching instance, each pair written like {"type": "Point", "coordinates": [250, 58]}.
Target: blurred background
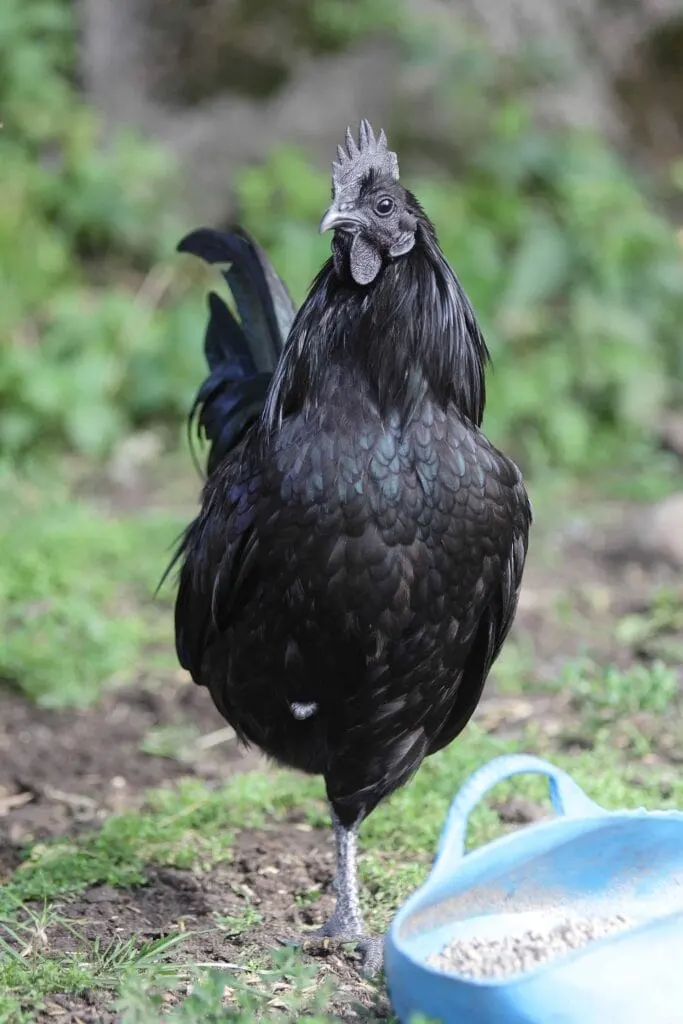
{"type": "Point", "coordinates": [545, 139]}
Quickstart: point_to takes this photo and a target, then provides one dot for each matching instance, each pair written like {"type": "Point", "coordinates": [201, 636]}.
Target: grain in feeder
{"type": "Point", "coordinates": [573, 920]}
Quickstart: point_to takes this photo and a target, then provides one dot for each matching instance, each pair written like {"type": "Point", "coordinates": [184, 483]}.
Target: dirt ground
{"type": "Point", "coordinates": [74, 768]}
{"type": "Point", "coordinates": [63, 772]}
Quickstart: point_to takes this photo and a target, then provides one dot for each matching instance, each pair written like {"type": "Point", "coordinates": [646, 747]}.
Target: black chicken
{"type": "Point", "coordinates": [356, 563]}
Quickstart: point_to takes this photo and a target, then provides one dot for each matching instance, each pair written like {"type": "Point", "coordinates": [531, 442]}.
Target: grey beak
{"type": "Point", "coordinates": [334, 218]}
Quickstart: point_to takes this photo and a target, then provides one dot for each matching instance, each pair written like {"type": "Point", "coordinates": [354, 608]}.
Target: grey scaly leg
{"type": "Point", "coordinates": [346, 923]}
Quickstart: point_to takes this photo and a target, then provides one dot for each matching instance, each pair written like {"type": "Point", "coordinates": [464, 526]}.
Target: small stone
{"type": "Point", "coordinates": [671, 432]}
{"type": "Point", "coordinates": [666, 529]}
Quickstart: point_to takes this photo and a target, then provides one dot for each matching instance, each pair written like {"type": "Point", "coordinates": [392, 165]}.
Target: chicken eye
{"type": "Point", "coordinates": [384, 206]}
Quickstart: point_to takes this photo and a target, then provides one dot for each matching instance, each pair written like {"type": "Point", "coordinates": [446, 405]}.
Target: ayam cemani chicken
{"type": "Point", "coordinates": [356, 563]}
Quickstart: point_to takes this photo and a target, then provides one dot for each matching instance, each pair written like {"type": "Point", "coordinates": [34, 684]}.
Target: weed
{"type": "Point", "coordinates": [30, 970]}
{"type": "Point", "coordinates": [656, 632]}
{"type": "Point", "coordinates": [192, 825]}
{"type": "Point", "coordinates": [80, 363]}
{"type": "Point", "coordinates": [606, 691]}
{"type": "Point", "coordinates": [234, 925]}
{"type": "Point", "coordinates": [585, 336]}
{"type": "Point", "coordinates": [288, 991]}
{"type": "Point", "coordinates": [77, 593]}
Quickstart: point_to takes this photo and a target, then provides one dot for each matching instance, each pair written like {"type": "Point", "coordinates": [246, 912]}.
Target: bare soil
{"type": "Point", "coordinates": [74, 767]}
{"type": "Point", "coordinates": [63, 772]}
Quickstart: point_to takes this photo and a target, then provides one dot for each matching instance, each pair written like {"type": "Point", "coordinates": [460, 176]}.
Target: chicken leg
{"type": "Point", "coordinates": [346, 923]}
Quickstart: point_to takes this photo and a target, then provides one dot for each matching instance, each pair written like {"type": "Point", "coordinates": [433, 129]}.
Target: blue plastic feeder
{"type": "Point", "coordinates": [586, 862]}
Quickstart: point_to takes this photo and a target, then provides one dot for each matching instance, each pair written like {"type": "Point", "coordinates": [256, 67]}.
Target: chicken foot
{"type": "Point", "coordinates": [346, 923]}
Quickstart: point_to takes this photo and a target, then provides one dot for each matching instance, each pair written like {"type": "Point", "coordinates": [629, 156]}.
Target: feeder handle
{"type": "Point", "coordinates": [568, 800]}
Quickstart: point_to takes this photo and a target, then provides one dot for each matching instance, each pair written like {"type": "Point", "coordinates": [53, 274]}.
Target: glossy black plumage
{"type": "Point", "coordinates": [241, 356]}
{"type": "Point", "coordinates": [360, 544]}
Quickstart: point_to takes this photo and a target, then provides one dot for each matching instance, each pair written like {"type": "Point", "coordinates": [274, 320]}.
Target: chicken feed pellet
{"type": "Point", "coordinates": [513, 954]}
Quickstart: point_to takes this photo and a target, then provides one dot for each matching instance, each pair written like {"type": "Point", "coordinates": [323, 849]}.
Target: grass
{"type": "Point", "coordinates": [77, 593]}
{"type": "Point", "coordinates": [194, 826]}
{"type": "Point", "coordinates": [182, 826]}
{"type": "Point", "coordinates": [604, 689]}
{"type": "Point", "coordinates": [78, 580]}
{"type": "Point", "coordinates": [29, 972]}
{"type": "Point", "coordinates": [217, 997]}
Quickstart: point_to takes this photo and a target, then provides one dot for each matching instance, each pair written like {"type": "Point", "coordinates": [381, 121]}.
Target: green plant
{"type": "Point", "coordinates": [658, 628]}
{"type": "Point", "coordinates": [221, 996]}
{"type": "Point", "coordinates": [76, 592]}
{"type": "Point", "coordinates": [610, 693]}
{"type": "Point", "coordinates": [30, 969]}
{"type": "Point", "coordinates": [575, 275]}
{"type": "Point", "coordinates": [196, 825]}
{"type": "Point", "coordinates": [87, 347]}
{"type": "Point", "coordinates": [233, 925]}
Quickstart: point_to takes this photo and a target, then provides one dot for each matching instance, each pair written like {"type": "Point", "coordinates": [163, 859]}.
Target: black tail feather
{"type": "Point", "coordinates": [224, 408]}
{"type": "Point", "coordinates": [224, 335]}
{"type": "Point", "coordinates": [241, 355]}
{"type": "Point", "coordinates": [265, 308]}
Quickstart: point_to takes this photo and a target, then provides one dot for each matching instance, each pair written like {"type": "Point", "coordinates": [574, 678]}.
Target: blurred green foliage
{"type": "Point", "coordinates": [604, 692]}
{"type": "Point", "coordinates": [576, 277]}
{"type": "Point", "coordinates": [76, 592]}
{"type": "Point", "coordinates": [86, 348]}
